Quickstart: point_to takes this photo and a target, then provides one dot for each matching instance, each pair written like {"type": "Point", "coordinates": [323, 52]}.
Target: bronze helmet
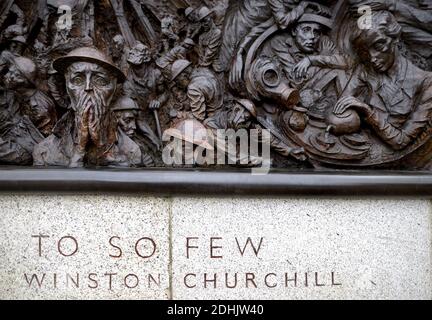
{"type": "Point", "coordinates": [125, 104]}
{"type": "Point", "coordinates": [88, 54]}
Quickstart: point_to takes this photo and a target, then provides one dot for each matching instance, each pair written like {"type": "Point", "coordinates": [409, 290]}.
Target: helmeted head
{"type": "Point", "coordinates": [181, 72]}
{"type": "Point", "coordinates": [126, 110]}
{"type": "Point", "coordinates": [242, 114]}
{"type": "Point", "coordinates": [377, 46]}
{"type": "Point", "coordinates": [89, 72]}
{"type": "Point", "coordinates": [21, 74]}
{"type": "Point", "coordinates": [191, 131]}
{"type": "Point", "coordinates": [139, 54]}
{"type": "Point", "coordinates": [205, 17]}
{"type": "Point", "coordinates": [17, 45]}
{"type": "Point", "coordinates": [191, 14]}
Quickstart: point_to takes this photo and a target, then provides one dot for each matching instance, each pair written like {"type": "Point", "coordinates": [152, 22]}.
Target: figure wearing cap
{"type": "Point", "coordinates": [88, 134]}
{"type": "Point", "coordinates": [243, 115]}
{"type": "Point", "coordinates": [169, 30]}
{"type": "Point", "coordinates": [304, 40]}
{"type": "Point", "coordinates": [293, 53]}
{"type": "Point", "coordinates": [31, 102]}
{"type": "Point", "coordinates": [18, 134]}
{"type": "Point", "coordinates": [15, 48]}
{"type": "Point", "coordinates": [210, 40]}
{"type": "Point", "coordinates": [255, 17]}
{"type": "Point", "coordinates": [204, 89]}
{"type": "Point", "coordinates": [289, 21]}
{"type": "Point", "coordinates": [193, 25]}
{"type": "Point", "coordinates": [179, 52]}
{"type": "Point", "coordinates": [126, 111]}
{"type": "Point", "coordinates": [145, 82]}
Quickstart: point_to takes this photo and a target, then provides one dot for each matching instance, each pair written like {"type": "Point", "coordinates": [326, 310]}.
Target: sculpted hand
{"type": "Point", "coordinates": [301, 69]}
{"type": "Point", "coordinates": [83, 107]}
{"type": "Point", "coordinates": [318, 8]}
{"type": "Point", "coordinates": [95, 120]}
{"type": "Point", "coordinates": [154, 105]}
{"type": "Point", "coordinates": [328, 47]}
{"type": "Point", "coordinates": [351, 103]}
{"type": "Point", "coordinates": [283, 19]}
{"type": "Point", "coordinates": [236, 72]}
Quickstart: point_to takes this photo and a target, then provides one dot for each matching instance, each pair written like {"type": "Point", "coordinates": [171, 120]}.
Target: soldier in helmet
{"type": "Point", "coordinates": [15, 48]}
{"type": "Point", "coordinates": [18, 135]}
{"type": "Point", "coordinates": [169, 30]}
{"type": "Point", "coordinates": [17, 45]}
{"type": "Point", "coordinates": [33, 103]}
{"type": "Point", "coordinates": [240, 115]}
{"type": "Point", "coordinates": [210, 40]}
{"type": "Point", "coordinates": [126, 111]}
{"type": "Point", "coordinates": [243, 115]}
{"type": "Point", "coordinates": [204, 89]}
{"type": "Point", "coordinates": [193, 25]}
{"type": "Point", "coordinates": [88, 134]}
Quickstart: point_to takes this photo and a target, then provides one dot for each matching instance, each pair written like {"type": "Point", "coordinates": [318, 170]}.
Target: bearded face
{"type": "Point", "coordinates": [91, 89]}
{"type": "Point", "coordinates": [85, 79]}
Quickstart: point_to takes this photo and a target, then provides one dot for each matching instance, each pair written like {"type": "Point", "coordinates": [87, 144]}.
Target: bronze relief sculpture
{"type": "Point", "coordinates": [338, 84]}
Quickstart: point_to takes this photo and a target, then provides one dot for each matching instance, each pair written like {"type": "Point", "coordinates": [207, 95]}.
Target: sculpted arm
{"type": "Point", "coordinates": [397, 137]}
{"type": "Point", "coordinates": [197, 101]}
{"type": "Point", "coordinates": [400, 138]}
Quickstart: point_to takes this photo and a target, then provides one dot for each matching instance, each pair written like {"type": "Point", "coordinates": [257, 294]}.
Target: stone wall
{"type": "Point", "coordinates": [131, 247]}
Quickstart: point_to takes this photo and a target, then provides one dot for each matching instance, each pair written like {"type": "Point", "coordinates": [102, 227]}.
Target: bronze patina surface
{"type": "Point", "coordinates": [340, 85]}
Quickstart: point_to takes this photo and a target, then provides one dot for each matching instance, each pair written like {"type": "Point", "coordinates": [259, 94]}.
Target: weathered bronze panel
{"type": "Point", "coordinates": [337, 84]}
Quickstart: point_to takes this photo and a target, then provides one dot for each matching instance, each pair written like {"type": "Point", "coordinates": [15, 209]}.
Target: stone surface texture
{"type": "Point", "coordinates": [349, 249]}
{"type": "Point", "coordinates": [377, 249]}
{"type": "Point", "coordinates": [92, 221]}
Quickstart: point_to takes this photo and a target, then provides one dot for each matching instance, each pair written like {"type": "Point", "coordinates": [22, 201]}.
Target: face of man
{"type": "Point", "coordinates": [240, 118]}
{"type": "Point", "coordinates": [207, 23]}
{"type": "Point", "coordinates": [127, 122]}
{"type": "Point", "coordinates": [193, 17]}
{"type": "Point", "coordinates": [307, 36]}
{"type": "Point", "coordinates": [15, 79]}
{"type": "Point", "coordinates": [84, 79]}
{"type": "Point", "coordinates": [139, 55]}
{"type": "Point", "coordinates": [381, 52]}
{"type": "Point", "coordinates": [183, 79]}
